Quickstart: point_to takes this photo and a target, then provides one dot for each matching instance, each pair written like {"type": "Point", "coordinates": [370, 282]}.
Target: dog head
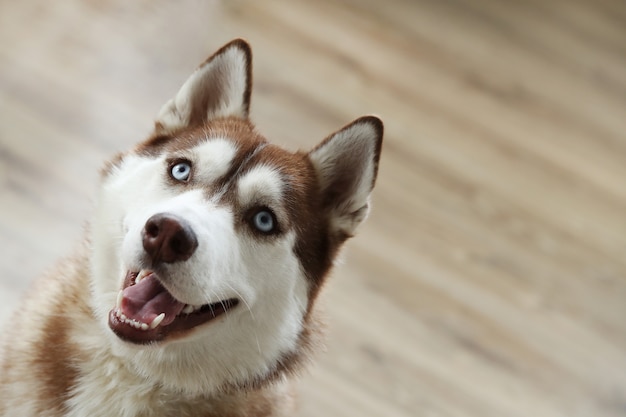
{"type": "Point", "coordinates": [211, 244]}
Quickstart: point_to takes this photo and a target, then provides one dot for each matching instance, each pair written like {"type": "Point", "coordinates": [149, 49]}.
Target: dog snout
{"type": "Point", "coordinates": [167, 238]}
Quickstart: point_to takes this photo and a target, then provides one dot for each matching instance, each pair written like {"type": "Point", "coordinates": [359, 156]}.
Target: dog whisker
{"type": "Point", "coordinates": [243, 300]}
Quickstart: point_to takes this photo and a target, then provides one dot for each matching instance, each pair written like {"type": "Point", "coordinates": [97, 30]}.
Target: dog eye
{"type": "Point", "coordinates": [264, 221]}
{"type": "Point", "coordinates": [181, 171]}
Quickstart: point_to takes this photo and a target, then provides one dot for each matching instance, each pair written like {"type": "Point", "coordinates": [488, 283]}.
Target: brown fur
{"type": "Point", "coordinates": [44, 358]}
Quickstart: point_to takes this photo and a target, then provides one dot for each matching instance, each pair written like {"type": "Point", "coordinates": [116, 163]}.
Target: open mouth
{"type": "Point", "coordinates": [146, 312]}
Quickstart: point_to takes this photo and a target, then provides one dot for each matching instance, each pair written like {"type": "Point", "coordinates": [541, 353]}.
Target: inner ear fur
{"type": "Point", "coordinates": [220, 87]}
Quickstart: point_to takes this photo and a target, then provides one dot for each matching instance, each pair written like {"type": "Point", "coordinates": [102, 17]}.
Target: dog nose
{"type": "Point", "coordinates": [167, 238]}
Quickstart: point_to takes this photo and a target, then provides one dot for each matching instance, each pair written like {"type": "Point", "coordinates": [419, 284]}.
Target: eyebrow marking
{"type": "Point", "coordinates": [263, 183]}
{"type": "Point", "coordinates": [215, 158]}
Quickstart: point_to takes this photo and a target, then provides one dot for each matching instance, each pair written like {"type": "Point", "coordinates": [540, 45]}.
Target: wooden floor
{"type": "Point", "coordinates": [490, 279]}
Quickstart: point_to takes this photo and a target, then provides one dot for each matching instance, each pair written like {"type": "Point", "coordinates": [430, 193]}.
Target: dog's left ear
{"type": "Point", "coordinates": [346, 164]}
{"type": "Point", "coordinates": [220, 87]}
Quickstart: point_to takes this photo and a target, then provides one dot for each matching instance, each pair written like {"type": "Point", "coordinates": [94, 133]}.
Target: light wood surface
{"type": "Point", "coordinates": [490, 279]}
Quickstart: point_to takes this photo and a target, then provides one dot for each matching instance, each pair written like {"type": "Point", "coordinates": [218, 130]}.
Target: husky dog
{"type": "Point", "coordinates": [194, 294]}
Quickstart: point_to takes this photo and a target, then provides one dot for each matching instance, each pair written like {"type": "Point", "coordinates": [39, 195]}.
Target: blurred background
{"type": "Point", "coordinates": [490, 278]}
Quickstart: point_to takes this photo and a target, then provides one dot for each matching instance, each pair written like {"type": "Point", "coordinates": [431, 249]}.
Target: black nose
{"type": "Point", "coordinates": [167, 238]}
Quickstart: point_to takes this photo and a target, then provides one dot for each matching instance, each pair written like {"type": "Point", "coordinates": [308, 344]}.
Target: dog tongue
{"type": "Point", "coordinates": [147, 299]}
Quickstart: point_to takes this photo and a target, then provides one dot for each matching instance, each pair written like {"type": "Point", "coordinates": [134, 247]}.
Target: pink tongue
{"type": "Point", "coordinates": [147, 299]}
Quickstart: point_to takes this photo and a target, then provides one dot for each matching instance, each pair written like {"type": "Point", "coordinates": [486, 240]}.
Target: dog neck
{"type": "Point", "coordinates": [106, 381]}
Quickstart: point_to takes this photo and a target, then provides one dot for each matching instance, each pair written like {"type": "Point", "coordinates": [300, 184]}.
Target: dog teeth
{"type": "Point", "coordinates": [141, 275]}
{"type": "Point", "coordinates": [138, 324]}
{"type": "Point", "coordinates": [190, 309]}
{"type": "Point", "coordinates": [120, 295]}
{"type": "Point", "coordinates": [157, 320]}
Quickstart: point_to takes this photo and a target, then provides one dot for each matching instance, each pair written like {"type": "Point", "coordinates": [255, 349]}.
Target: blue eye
{"type": "Point", "coordinates": [264, 221]}
{"type": "Point", "coordinates": [181, 171]}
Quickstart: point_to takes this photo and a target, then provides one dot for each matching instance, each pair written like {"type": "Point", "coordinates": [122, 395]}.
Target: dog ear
{"type": "Point", "coordinates": [346, 164]}
{"type": "Point", "coordinates": [220, 87]}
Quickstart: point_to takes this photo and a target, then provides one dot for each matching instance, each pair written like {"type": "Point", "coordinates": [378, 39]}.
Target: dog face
{"type": "Point", "coordinates": [210, 244]}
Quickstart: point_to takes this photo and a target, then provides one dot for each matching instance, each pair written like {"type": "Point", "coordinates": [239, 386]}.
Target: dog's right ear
{"type": "Point", "coordinates": [346, 164]}
{"type": "Point", "coordinates": [220, 87]}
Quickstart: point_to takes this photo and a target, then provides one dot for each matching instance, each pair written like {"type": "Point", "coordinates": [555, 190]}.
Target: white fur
{"type": "Point", "coordinates": [214, 159]}
{"type": "Point", "coordinates": [264, 275]}
{"type": "Point", "coordinates": [261, 184]}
